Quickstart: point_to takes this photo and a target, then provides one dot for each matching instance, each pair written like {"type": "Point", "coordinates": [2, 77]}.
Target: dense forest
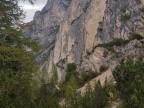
{"type": "Point", "coordinates": [19, 87]}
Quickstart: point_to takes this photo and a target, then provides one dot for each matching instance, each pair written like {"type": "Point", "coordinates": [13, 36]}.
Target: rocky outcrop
{"type": "Point", "coordinates": [121, 17]}
{"type": "Point", "coordinates": [45, 26]}
{"type": "Point", "coordinates": [70, 30]}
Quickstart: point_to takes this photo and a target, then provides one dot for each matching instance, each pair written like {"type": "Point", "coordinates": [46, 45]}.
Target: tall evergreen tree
{"type": "Point", "coordinates": [129, 76]}
{"type": "Point", "coordinates": [17, 65]}
{"type": "Point", "coordinates": [70, 91]}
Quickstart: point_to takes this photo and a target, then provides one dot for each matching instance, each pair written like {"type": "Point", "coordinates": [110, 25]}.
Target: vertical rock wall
{"type": "Point", "coordinates": [69, 30]}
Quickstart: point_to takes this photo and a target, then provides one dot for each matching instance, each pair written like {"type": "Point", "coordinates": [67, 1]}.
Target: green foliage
{"type": "Point", "coordinates": [111, 91]}
{"type": "Point", "coordinates": [70, 91]}
{"type": "Point", "coordinates": [134, 36]}
{"type": "Point", "coordinates": [114, 42]}
{"type": "Point", "coordinates": [129, 76]}
{"type": "Point", "coordinates": [16, 89]}
{"type": "Point", "coordinates": [95, 98]}
{"type": "Point", "coordinates": [121, 105]}
{"type": "Point", "coordinates": [17, 65]}
{"type": "Point", "coordinates": [54, 77]}
{"type": "Point", "coordinates": [86, 76]}
{"type": "Point", "coordinates": [10, 13]}
{"type": "Point", "coordinates": [124, 18]}
{"type": "Point", "coordinates": [46, 97]}
{"type": "Point", "coordinates": [71, 67]}
{"type": "Point", "coordinates": [49, 96]}
{"type": "Point", "coordinates": [71, 70]}
{"type": "Point", "coordinates": [81, 78]}
{"type": "Point", "coordinates": [118, 42]}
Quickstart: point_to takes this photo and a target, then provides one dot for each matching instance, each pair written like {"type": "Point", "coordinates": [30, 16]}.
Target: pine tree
{"type": "Point", "coordinates": [46, 97]}
{"type": "Point", "coordinates": [54, 77]}
{"type": "Point", "coordinates": [70, 91]}
{"type": "Point", "coordinates": [129, 76]}
{"type": "Point", "coordinates": [17, 65]}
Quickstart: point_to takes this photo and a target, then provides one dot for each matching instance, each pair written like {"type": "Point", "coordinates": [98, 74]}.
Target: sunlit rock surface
{"type": "Point", "coordinates": [70, 30]}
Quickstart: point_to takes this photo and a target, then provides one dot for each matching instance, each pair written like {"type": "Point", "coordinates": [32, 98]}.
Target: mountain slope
{"type": "Point", "coordinates": [75, 31]}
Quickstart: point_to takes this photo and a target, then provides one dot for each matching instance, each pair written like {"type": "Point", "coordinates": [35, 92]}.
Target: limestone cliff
{"type": "Point", "coordinates": [73, 30]}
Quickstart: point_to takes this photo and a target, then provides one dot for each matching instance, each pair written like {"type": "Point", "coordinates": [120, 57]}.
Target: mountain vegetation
{"type": "Point", "coordinates": [130, 82]}
{"type": "Point", "coordinates": [19, 85]}
{"type": "Point", "coordinates": [17, 56]}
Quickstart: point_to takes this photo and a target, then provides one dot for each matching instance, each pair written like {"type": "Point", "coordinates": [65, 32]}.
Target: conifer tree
{"type": "Point", "coordinates": [17, 65]}
{"type": "Point", "coordinates": [129, 76]}
{"type": "Point", "coordinates": [70, 91]}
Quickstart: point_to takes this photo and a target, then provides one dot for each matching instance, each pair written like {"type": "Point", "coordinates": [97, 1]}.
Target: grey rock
{"type": "Point", "coordinates": [70, 30]}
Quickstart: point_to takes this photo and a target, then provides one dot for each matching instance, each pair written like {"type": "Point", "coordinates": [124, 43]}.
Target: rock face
{"type": "Point", "coordinates": [70, 30]}
{"type": "Point", "coordinates": [45, 26]}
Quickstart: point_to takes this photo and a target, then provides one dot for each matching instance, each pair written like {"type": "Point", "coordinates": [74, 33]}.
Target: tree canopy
{"type": "Point", "coordinates": [17, 55]}
{"type": "Point", "coordinates": [129, 76]}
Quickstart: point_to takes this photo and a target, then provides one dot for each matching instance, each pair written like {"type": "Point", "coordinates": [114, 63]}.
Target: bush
{"type": "Point", "coordinates": [86, 77]}
{"type": "Point", "coordinates": [114, 42]}
{"type": "Point", "coordinates": [129, 76]}
{"type": "Point", "coordinates": [71, 67]}
{"type": "Point", "coordinates": [95, 98]}
{"type": "Point", "coordinates": [121, 105]}
{"type": "Point", "coordinates": [81, 78]}
{"type": "Point", "coordinates": [111, 91]}
{"type": "Point", "coordinates": [46, 97]}
{"type": "Point", "coordinates": [71, 70]}
{"type": "Point", "coordinates": [134, 36]}
{"type": "Point", "coordinates": [124, 18]}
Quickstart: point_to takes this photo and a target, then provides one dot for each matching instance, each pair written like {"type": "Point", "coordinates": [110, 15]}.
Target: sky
{"type": "Point", "coordinates": [31, 9]}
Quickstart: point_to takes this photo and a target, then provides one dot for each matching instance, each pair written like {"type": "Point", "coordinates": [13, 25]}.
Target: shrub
{"type": "Point", "coordinates": [95, 98]}
{"type": "Point", "coordinates": [114, 42]}
{"type": "Point", "coordinates": [46, 97]}
{"type": "Point", "coordinates": [54, 77]}
{"type": "Point", "coordinates": [110, 90]}
{"type": "Point", "coordinates": [71, 67]}
{"type": "Point", "coordinates": [121, 105]}
{"type": "Point", "coordinates": [124, 18]}
{"type": "Point", "coordinates": [134, 36]}
{"type": "Point", "coordinates": [87, 76]}
{"type": "Point", "coordinates": [129, 76]}
{"type": "Point", "coordinates": [99, 98]}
